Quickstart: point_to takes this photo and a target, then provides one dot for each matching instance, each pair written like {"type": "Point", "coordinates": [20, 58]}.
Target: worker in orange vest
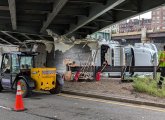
{"type": "Point", "coordinates": [162, 68]}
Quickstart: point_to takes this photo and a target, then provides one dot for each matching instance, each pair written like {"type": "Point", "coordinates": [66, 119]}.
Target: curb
{"type": "Point", "coordinates": [117, 99]}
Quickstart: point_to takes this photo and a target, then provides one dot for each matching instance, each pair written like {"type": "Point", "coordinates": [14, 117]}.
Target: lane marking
{"type": "Point", "coordinates": [6, 108]}
{"type": "Point", "coordinates": [114, 103]}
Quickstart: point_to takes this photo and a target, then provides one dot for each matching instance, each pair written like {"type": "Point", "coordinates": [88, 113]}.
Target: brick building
{"type": "Point", "coordinates": [156, 23]}
{"type": "Point", "coordinates": [158, 19]}
{"type": "Point", "coordinates": [134, 25]}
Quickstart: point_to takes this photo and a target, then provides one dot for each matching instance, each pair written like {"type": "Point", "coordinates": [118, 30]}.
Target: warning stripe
{"type": "Point", "coordinates": [19, 93]}
{"type": "Point", "coordinates": [18, 87]}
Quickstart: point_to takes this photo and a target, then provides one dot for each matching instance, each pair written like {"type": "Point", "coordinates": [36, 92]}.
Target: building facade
{"type": "Point", "coordinates": [156, 23]}
{"type": "Point", "coordinates": [134, 25]}
{"type": "Point", "coordinates": [158, 19]}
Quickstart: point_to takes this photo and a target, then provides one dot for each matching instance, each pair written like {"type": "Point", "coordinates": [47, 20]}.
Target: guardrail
{"type": "Point", "coordinates": [121, 69]}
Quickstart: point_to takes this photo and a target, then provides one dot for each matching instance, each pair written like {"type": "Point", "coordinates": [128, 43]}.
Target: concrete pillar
{"type": "Point", "coordinates": [144, 38]}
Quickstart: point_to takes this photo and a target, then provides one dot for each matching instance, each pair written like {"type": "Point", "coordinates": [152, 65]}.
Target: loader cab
{"type": "Point", "coordinates": [13, 64]}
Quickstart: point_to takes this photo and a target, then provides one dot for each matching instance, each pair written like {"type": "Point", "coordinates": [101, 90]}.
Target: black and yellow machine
{"type": "Point", "coordinates": [20, 67]}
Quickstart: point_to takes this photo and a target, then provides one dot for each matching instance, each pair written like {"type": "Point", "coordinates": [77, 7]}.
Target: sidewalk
{"type": "Point", "coordinates": [122, 94]}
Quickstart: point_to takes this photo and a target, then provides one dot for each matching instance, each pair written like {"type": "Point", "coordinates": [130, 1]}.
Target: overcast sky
{"type": "Point", "coordinates": [145, 15]}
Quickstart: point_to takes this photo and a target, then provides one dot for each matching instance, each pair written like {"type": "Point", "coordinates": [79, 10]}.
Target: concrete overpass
{"type": "Point", "coordinates": [150, 35]}
{"type": "Point", "coordinates": [28, 19]}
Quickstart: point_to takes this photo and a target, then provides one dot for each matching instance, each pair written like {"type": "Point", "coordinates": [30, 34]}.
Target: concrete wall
{"type": "Point", "coordinates": [78, 53]}
{"type": "Point", "coordinates": [41, 58]}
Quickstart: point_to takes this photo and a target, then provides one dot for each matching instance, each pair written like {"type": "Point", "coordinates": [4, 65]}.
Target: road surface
{"type": "Point", "coordinates": [43, 106]}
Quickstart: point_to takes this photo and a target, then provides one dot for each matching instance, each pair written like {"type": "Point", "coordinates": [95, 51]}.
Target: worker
{"type": "Point", "coordinates": [162, 67]}
{"type": "Point", "coordinates": [74, 64]}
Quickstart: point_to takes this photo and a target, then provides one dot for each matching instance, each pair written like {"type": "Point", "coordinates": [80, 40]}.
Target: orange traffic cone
{"type": "Point", "coordinates": [19, 105]}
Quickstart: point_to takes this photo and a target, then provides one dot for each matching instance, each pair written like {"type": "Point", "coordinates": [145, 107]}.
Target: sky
{"type": "Point", "coordinates": [145, 15]}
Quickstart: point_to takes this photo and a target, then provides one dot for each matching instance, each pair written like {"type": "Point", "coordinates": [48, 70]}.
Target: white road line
{"type": "Point", "coordinates": [6, 108]}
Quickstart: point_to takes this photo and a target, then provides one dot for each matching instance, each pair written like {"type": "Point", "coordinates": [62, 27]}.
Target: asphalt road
{"type": "Point", "coordinates": [42, 106]}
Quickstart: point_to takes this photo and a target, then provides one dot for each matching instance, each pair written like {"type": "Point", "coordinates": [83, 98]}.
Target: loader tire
{"type": "Point", "coordinates": [24, 88]}
{"type": "Point", "coordinates": [57, 89]}
{"type": "Point", "coordinates": [1, 88]}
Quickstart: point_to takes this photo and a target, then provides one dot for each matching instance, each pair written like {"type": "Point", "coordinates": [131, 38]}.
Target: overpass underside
{"type": "Point", "coordinates": [29, 19]}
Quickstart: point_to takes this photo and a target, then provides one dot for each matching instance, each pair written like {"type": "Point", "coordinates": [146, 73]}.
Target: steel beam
{"type": "Point", "coordinates": [59, 26]}
{"type": "Point", "coordinates": [37, 1]}
{"type": "Point", "coordinates": [39, 36]}
{"type": "Point", "coordinates": [95, 12]}
{"type": "Point", "coordinates": [125, 10]}
{"type": "Point", "coordinates": [74, 12]}
{"type": "Point", "coordinates": [64, 21]}
{"type": "Point", "coordinates": [86, 1]}
{"type": "Point", "coordinates": [34, 12]}
{"type": "Point", "coordinates": [5, 41]}
{"type": "Point", "coordinates": [34, 6]}
{"type": "Point", "coordinates": [103, 20]}
{"type": "Point", "coordinates": [12, 8]}
{"type": "Point", "coordinates": [19, 41]}
{"type": "Point", "coordinates": [4, 21]}
{"type": "Point", "coordinates": [11, 36]}
{"type": "Point", "coordinates": [89, 27]}
{"type": "Point", "coordinates": [31, 18]}
{"type": "Point", "coordinates": [5, 13]}
{"type": "Point", "coordinates": [29, 38]}
{"type": "Point", "coordinates": [58, 5]}
{"type": "Point", "coordinates": [31, 24]}
{"type": "Point", "coordinates": [42, 38]}
{"type": "Point", "coordinates": [26, 33]}
{"type": "Point", "coordinates": [84, 33]}
{"type": "Point", "coordinates": [4, 8]}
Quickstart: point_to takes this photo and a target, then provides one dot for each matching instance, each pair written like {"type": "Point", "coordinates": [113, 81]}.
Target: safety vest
{"type": "Point", "coordinates": [162, 56]}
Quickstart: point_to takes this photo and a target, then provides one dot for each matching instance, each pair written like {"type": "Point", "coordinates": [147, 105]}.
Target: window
{"type": "Point", "coordinates": [15, 63]}
{"type": "Point", "coordinates": [6, 64]}
{"type": "Point", "coordinates": [26, 62]}
{"type": "Point", "coordinates": [153, 13]}
{"type": "Point", "coordinates": [153, 18]}
{"type": "Point", "coordinates": [157, 12]}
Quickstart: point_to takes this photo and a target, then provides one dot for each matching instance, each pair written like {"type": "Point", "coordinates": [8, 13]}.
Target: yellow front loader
{"type": "Point", "coordinates": [19, 66]}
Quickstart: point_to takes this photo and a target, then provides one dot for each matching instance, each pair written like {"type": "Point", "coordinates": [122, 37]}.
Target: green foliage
{"type": "Point", "coordinates": [149, 86]}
